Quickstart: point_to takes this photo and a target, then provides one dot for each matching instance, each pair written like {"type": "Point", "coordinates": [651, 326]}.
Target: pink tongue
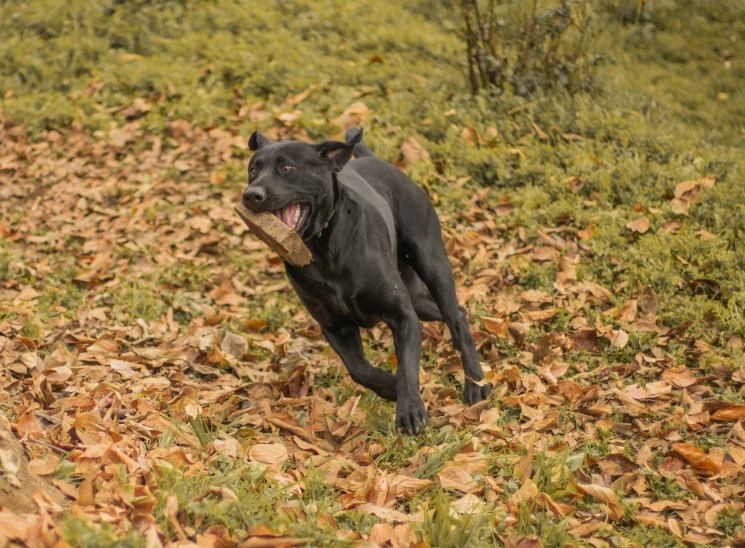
{"type": "Point", "coordinates": [288, 216]}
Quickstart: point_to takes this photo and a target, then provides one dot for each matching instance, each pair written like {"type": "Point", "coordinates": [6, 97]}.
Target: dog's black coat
{"type": "Point", "coordinates": [378, 256]}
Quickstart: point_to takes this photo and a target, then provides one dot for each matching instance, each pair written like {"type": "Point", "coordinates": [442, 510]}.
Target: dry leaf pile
{"type": "Point", "coordinates": [162, 378]}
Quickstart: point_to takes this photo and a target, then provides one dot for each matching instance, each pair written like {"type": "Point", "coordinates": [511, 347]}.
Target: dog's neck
{"type": "Point", "coordinates": [334, 235]}
{"type": "Point", "coordinates": [327, 212]}
{"type": "Point", "coordinates": [336, 192]}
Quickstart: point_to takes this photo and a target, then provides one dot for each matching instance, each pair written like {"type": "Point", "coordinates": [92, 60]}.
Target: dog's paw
{"type": "Point", "coordinates": [473, 392]}
{"type": "Point", "coordinates": [411, 416]}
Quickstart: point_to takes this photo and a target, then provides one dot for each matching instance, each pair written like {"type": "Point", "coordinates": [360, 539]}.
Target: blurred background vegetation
{"type": "Point", "coordinates": [584, 112]}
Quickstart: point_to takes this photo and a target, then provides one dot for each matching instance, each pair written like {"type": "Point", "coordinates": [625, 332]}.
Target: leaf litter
{"type": "Point", "coordinates": [129, 387]}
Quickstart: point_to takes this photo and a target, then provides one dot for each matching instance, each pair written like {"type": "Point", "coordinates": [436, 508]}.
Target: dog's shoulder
{"type": "Point", "coordinates": [374, 210]}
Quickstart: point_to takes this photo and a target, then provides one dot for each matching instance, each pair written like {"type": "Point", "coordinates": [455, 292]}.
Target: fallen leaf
{"type": "Point", "coordinates": [457, 479]}
{"type": "Point", "coordinates": [411, 152]}
{"type": "Point", "coordinates": [233, 345]}
{"type": "Point", "coordinates": [603, 494]}
{"type": "Point", "coordinates": [123, 368]}
{"type": "Point", "coordinates": [696, 457]}
{"type": "Point", "coordinates": [641, 225]}
{"type": "Point", "coordinates": [268, 453]}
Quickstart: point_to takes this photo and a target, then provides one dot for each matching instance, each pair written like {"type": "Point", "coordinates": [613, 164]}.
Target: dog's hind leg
{"type": "Point", "coordinates": [346, 341]}
{"type": "Point", "coordinates": [423, 303]}
{"type": "Point", "coordinates": [430, 261]}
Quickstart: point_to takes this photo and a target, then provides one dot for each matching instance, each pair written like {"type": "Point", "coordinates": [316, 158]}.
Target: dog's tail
{"type": "Point", "coordinates": [361, 150]}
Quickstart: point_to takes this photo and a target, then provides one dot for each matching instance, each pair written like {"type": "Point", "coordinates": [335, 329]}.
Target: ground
{"type": "Point", "coordinates": [168, 388]}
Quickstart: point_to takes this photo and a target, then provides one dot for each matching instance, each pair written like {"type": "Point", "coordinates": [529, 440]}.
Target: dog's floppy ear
{"type": "Point", "coordinates": [338, 152]}
{"type": "Point", "coordinates": [257, 141]}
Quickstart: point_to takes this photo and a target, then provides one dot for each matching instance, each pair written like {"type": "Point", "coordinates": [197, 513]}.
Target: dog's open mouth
{"type": "Point", "coordinates": [293, 215]}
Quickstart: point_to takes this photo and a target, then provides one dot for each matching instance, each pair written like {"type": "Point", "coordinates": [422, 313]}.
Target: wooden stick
{"type": "Point", "coordinates": [278, 236]}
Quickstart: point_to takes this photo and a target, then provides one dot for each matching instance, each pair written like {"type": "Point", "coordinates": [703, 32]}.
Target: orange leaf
{"type": "Point", "coordinates": [495, 326]}
{"type": "Point", "coordinates": [697, 457]}
{"type": "Point", "coordinates": [731, 412]}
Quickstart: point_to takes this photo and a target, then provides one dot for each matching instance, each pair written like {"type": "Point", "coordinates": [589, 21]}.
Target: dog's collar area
{"type": "Point", "coordinates": [326, 225]}
{"type": "Point", "coordinates": [336, 197]}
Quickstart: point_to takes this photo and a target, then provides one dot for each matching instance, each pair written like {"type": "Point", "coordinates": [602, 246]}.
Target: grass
{"type": "Point", "coordinates": [137, 302]}
{"type": "Point", "coordinates": [79, 533]}
{"type": "Point", "coordinates": [256, 501]}
{"type": "Point", "coordinates": [441, 527]}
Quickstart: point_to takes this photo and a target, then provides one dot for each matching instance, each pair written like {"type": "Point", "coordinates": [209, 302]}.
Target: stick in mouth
{"type": "Point", "coordinates": [277, 231]}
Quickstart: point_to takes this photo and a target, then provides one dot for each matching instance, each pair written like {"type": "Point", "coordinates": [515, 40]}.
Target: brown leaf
{"type": "Point", "coordinates": [233, 345]}
{"type": "Point", "coordinates": [407, 487]}
{"type": "Point", "coordinates": [696, 457]}
{"type": "Point", "coordinates": [518, 332]}
{"type": "Point", "coordinates": [571, 390]}
{"type": "Point", "coordinates": [685, 187]}
{"type": "Point", "coordinates": [268, 453]}
{"type": "Point", "coordinates": [619, 338]}
{"type": "Point", "coordinates": [674, 225]}
{"type": "Point", "coordinates": [279, 541]}
{"type": "Point", "coordinates": [603, 494]}
{"type": "Point", "coordinates": [730, 412]}
{"type": "Point", "coordinates": [457, 479]}
{"type": "Point", "coordinates": [524, 468]}
{"type": "Point", "coordinates": [496, 326]}
{"type": "Point", "coordinates": [680, 377]}
{"type": "Point", "coordinates": [679, 206]}
{"type": "Point", "coordinates": [85, 494]}
{"type": "Point", "coordinates": [641, 225]}
{"type": "Point", "coordinates": [587, 233]}
{"type": "Point", "coordinates": [585, 340]}
{"type": "Point", "coordinates": [28, 423]}
{"type": "Point", "coordinates": [528, 491]}
{"type": "Point", "coordinates": [122, 367]}
{"type": "Point", "coordinates": [472, 136]}
{"type": "Point", "coordinates": [254, 325]}
{"type": "Point", "coordinates": [469, 504]}
{"type": "Point", "coordinates": [411, 152]}
{"type": "Point", "coordinates": [669, 467]}
{"type": "Point", "coordinates": [627, 313]}
{"type": "Point", "coordinates": [43, 467]}
{"type": "Point", "coordinates": [651, 391]}
{"type": "Point", "coordinates": [354, 115]}
{"type": "Point", "coordinates": [529, 542]}
{"type": "Point", "coordinates": [18, 527]}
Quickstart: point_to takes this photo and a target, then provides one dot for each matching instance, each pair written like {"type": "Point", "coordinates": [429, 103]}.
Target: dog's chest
{"type": "Point", "coordinates": [328, 296]}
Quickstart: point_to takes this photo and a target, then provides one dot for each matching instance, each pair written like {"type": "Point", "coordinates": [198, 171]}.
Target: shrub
{"type": "Point", "coordinates": [527, 47]}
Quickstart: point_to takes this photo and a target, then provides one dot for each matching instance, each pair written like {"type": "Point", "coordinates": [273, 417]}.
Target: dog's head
{"type": "Point", "coordinates": [296, 181]}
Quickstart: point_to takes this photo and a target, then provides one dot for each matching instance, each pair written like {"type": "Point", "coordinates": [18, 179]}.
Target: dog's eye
{"type": "Point", "coordinates": [287, 168]}
{"type": "Point", "coordinates": [252, 173]}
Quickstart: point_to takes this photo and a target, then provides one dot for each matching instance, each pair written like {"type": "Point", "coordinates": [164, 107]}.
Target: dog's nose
{"type": "Point", "coordinates": [253, 196]}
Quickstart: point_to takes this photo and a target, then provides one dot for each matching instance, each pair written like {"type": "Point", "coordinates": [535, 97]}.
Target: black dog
{"type": "Point", "coordinates": [377, 256]}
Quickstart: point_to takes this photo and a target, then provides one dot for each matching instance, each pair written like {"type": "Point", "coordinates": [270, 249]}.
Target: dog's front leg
{"type": "Point", "coordinates": [411, 415]}
{"type": "Point", "coordinates": [345, 340]}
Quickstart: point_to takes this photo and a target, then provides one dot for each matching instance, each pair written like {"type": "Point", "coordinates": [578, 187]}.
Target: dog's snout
{"type": "Point", "coordinates": [253, 196]}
